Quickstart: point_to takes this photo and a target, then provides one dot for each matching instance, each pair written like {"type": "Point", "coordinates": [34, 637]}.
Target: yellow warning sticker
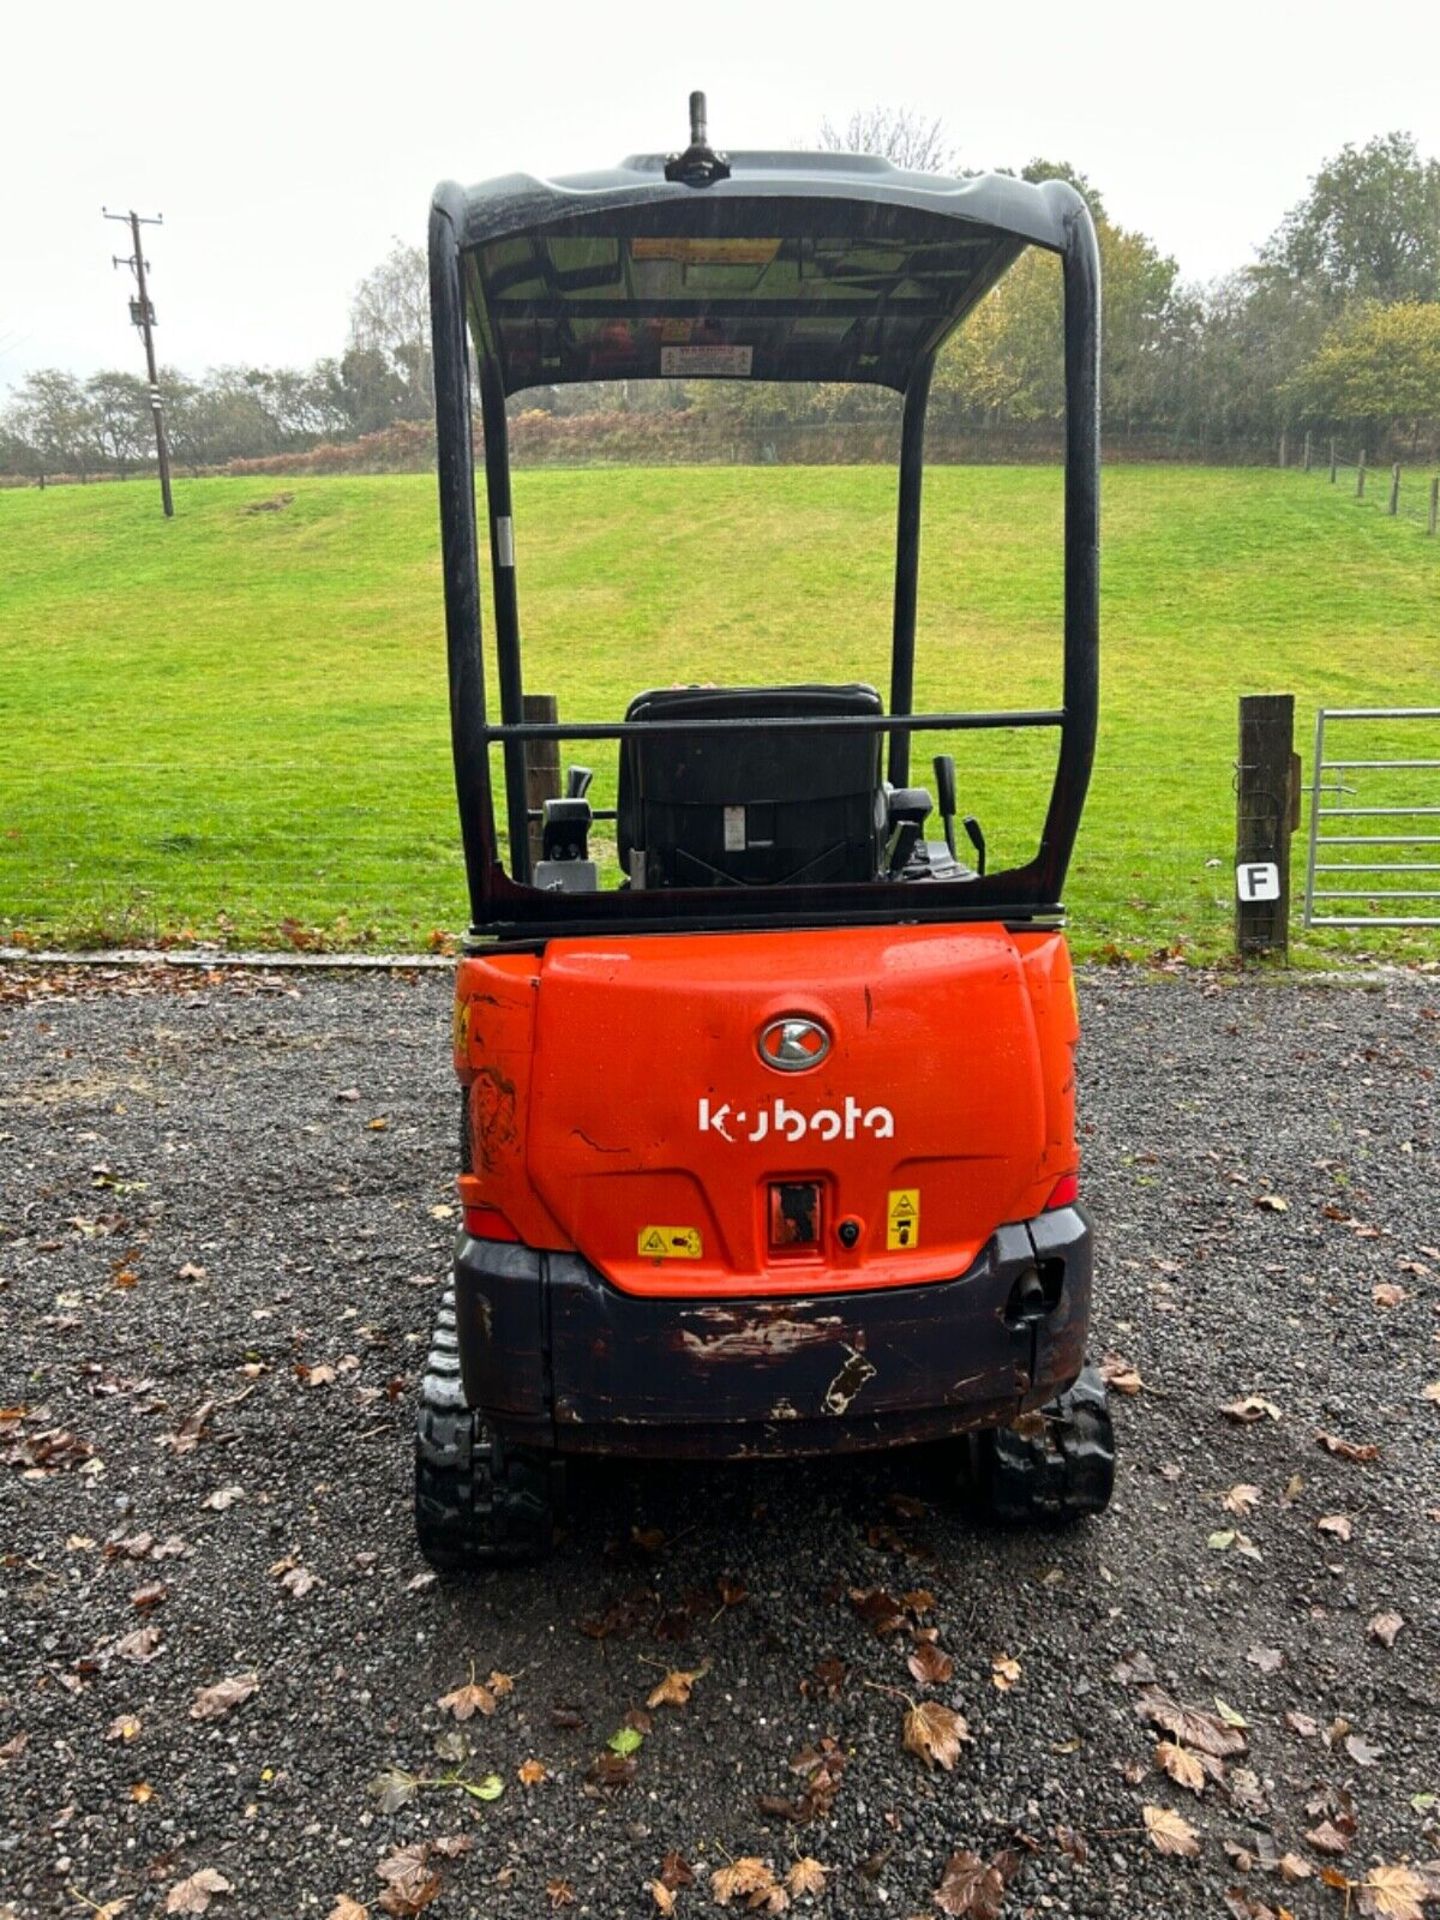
{"type": "Point", "coordinates": [669, 1243]}
{"type": "Point", "coordinates": [902, 1218]}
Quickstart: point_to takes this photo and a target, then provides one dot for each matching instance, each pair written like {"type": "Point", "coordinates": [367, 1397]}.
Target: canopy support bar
{"type": "Point", "coordinates": [507, 606]}
{"type": "Point", "coordinates": [907, 564]}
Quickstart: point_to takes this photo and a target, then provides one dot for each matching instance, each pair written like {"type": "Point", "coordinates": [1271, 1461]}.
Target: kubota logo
{"type": "Point", "coordinates": [793, 1044]}
{"type": "Point", "coordinates": [784, 1122]}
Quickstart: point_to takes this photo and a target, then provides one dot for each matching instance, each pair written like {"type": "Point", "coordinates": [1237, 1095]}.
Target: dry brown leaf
{"type": "Point", "coordinates": [195, 1894]}
{"type": "Point", "coordinates": [1252, 1408]}
{"type": "Point", "coordinates": [1348, 1449]}
{"type": "Point", "coordinates": [675, 1689]}
{"type": "Point", "coordinates": [410, 1882]}
{"type": "Point", "coordinates": [1004, 1671]}
{"type": "Point", "coordinates": [1386, 1294]}
{"type": "Point", "coordinates": [532, 1772]}
{"type": "Point", "coordinates": [662, 1896]}
{"type": "Point", "coordinates": [1271, 1203]}
{"type": "Point", "coordinates": [970, 1888]}
{"type": "Point", "coordinates": [465, 1702]}
{"type": "Point", "coordinates": [935, 1733]}
{"type": "Point", "coordinates": [1267, 1659]}
{"type": "Point", "coordinates": [1302, 1724]}
{"type": "Point", "coordinates": [140, 1646]}
{"type": "Point", "coordinates": [1339, 1524]}
{"type": "Point", "coordinates": [806, 1876]}
{"type": "Point", "coordinates": [1327, 1838]}
{"type": "Point", "coordinates": [930, 1665]}
{"type": "Point", "coordinates": [1170, 1834]}
{"type": "Point", "coordinates": [1193, 1727]}
{"type": "Point", "coordinates": [1292, 1868]}
{"type": "Point", "coordinates": [747, 1875]}
{"type": "Point", "coordinates": [1183, 1767]}
{"type": "Point", "coordinates": [1384, 1627]}
{"type": "Point", "coordinates": [1117, 1372]}
{"type": "Point", "coordinates": [1431, 1392]}
{"type": "Point", "coordinates": [1394, 1893]}
{"type": "Point", "coordinates": [347, 1909]}
{"type": "Point", "coordinates": [222, 1498]}
{"type": "Point", "coordinates": [124, 1727]}
{"type": "Point", "coordinates": [559, 1893]}
{"type": "Point", "coordinates": [298, 1581]}
{"type": "Point", "coordinates": [1241, 1499]}
{"type": "Point", "coordinates": [210, 1702]}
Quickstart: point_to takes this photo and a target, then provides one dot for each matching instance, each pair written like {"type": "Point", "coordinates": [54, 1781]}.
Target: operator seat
{"type": "Point", "coordinates": [794, 806]}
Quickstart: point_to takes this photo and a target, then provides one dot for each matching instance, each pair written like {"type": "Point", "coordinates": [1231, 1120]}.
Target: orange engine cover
{"type": "Point", "coordinates": [620, 1105]}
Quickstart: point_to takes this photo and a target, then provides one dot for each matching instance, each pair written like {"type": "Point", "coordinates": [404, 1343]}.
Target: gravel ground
{"type": "Point", "coordinates": [223, 1223]}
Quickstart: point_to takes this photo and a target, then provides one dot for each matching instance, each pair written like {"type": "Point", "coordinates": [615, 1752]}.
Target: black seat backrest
{"type": "Point", "coordinates": [755, 808]}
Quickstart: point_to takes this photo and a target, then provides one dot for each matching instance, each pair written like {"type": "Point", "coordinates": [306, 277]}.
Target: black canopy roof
{"type": "Point", "coordinates": [796, 266]}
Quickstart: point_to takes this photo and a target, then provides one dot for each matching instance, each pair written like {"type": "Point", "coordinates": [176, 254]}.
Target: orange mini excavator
{"type": "Point", "coordinates": [767, 1128]}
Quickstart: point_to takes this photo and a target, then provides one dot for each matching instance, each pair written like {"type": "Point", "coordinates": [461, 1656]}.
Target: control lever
{"type": "Point", "coordinates": [945, 794]}
{"type": "Point", "coordinates": [976, 835]}
{"type": "Point", "coordinates": [907, 809]}
{"type": "Point", "coordinates": [577, 782]}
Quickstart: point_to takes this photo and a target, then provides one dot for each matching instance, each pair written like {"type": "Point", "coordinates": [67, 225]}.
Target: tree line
{"type": "Point", "coordinates": [1334, 327]}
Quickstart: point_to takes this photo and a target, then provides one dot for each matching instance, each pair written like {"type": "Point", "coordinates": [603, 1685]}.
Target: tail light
{"type": "Point", "coordinates": [482, 1221]}
{"type": "Point", "coordinates": [1065, 1193]}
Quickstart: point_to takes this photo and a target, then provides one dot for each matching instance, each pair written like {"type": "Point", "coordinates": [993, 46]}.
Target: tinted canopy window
{"type": "Point", "coordinates": [773, 290]}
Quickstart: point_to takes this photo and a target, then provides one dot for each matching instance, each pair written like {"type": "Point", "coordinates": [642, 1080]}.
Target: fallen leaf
{"type": "Point", "coordinates": [465, 1702]}
{"type": "Point", "coordinates": [1337, 1523]}
{"type": "Point", "coordinates": [123, 1727]}
{"type": "Point", "coordinates": [1241, 1500]}
{"type": "Point", "coordinates": [394, 1789]}
{"type": "Point", "coordinates": [1222, 1541]}
{"type": "Point", "coordinates": [222, 1498]}
{"type": "Point", "coordinates": [559, 1893]}
{"type": "Point", "coordinates": [662, 1896]}
{"type": "Point", "coordinates": [1117, 1372]}
{"type": "Point", "coordinates": [1004, 1671]}
{"type": "Point", "coordinates": [299, 1581]}
{"type": "Point", "coordinates": [1252, 1408]}
{"type": "Point", "coordinates": [1302, 1724]}
{"type": "Point", "coordinates": [748, 1875]}
{"type": "Point", "coordinates": [1183, 1767]}
{"type": "Point", "coordinates": [1348, 1449]}
{"type": "Point", "coordinates": [532, 1772]}
{"type": "Point", "coordinates": [1394, 1893]}
{"type": "Point", "coordinates": [675, 1871]}
{"type": "Point", "coordinates": [930, 1666]}
{"type": "Point", "coordinates": [625, 1741]}
{"type": "Point", "coordinates": [1327, 1838]}
{"type": "Point", "coordinates": [1362, 1752]}
{"type": "Point", "coordinates": [675, 1689]}
{"type": "Point", "coordinates": [970, 1888]}
{"type": "Point", "coordinates": [1267, 1659]}
{"type": "Point", "coordinates": [1384, 1627]}
{"type": "Point", "coordinates": [347, 1909]}
{"type": "Point", "coordinates": [195, 1894]}
{"type": "Point", "coordinates": [1229, 1715]}
{"type": "Point", "coordinates": [1292, 1868]}
{"type": "Point", "coordinates": [1431, 1392]}
{"type": "Point", "coordinates": [210, 1702]}
{"type": "Point", "coordinates": [1271, 1203]}
{"type": "Point", "coordinates": [806, 1876]}
{"type": "Point", "coordinates": [1193, 1727]}
{"type": "Point", "coordinates": [141, 1647]}
{"type": "Point", "coordinates": [1386, 1294]}
{"type": "Point", "coordinates": [934, 1733]}
{"type": "Point", "coordinates": [1169, 1833]}
{"type": "Point", "coordinates": [410, 1882]}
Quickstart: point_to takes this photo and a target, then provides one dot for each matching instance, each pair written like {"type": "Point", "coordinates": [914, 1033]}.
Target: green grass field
{"type": "Point", "coordinates": [238, 719]}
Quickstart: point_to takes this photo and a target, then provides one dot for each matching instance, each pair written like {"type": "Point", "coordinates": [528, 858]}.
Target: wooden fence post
{"type": "Point", "coordinates": [1434, 505]}
{"type": "Point", "coordinates": [1284, 448]}
{"type": "Point", "coordinates": [1267, 792]}
{"type": "Point", "coordinates": [1394, 506]}
{"type": "Point", "coordinates": [1332, 463]}
{"type": "Point", "coordinates": [1307, 451]}
{"type": "Point", "coordinates": [1360, 476]}
{"type": "Point", "coordinates": [542, 765]}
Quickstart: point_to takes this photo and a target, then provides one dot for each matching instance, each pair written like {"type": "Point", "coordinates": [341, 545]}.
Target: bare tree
{"type": "Point", "coordinates": [894, 133]}
{"type": "Point", "coordinates": [390, 314]}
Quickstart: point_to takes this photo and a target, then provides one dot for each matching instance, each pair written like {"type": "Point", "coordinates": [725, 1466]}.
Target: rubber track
{"type": "Point", "coordinates": [1062, 1474]}
{"type": "Point", "coordinates": [476, 1504]}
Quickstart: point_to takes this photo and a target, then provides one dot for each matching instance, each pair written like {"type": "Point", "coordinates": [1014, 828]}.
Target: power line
{"type": "Point", "coordinates": [142, 314]}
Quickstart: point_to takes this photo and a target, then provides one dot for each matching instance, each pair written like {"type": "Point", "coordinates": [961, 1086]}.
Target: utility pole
{"type": "Point", "coordinates": [143, 316]}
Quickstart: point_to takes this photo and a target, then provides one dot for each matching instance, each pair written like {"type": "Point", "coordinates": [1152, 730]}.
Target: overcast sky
{"type": "Point", "coordinates": [287, 143]}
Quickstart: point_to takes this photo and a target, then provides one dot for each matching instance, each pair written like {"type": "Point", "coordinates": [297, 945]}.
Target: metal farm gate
{"type": "Point", "coordinates": [1362, 810]}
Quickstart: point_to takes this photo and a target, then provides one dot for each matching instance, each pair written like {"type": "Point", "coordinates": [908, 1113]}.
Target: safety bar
{"type": "Point", "coordinates": [775, 723]}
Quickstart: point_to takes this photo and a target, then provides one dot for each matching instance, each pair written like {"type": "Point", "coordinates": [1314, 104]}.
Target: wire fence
{"type": "Point", "coordinates": [1404, 492]}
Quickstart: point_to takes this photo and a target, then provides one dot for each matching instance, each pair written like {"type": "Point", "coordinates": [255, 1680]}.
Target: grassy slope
{"type": "Point", "coordinates": [242, 713]}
